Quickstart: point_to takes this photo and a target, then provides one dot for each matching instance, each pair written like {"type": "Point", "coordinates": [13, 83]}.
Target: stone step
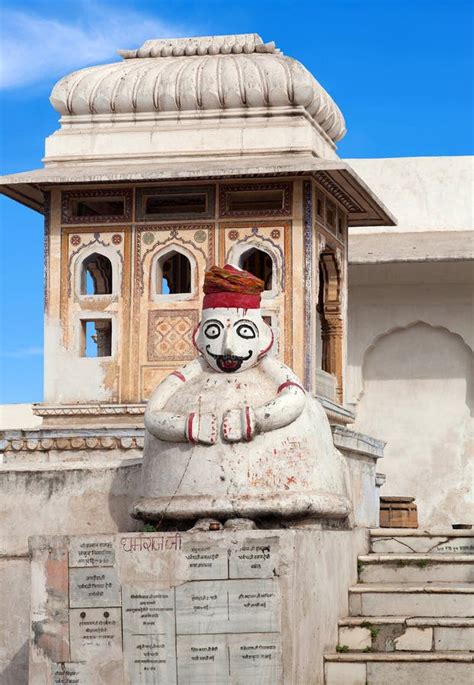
{"type": "Point", "coordinates": [399, 634]}
{"type": "Point", "coordinates": [422, 599]}
{"type": "Point", "coordinates": [399, 669]}
{"type": "Point", "coordinates": [410, 540]}
{"type": "Point", "coordinates": [416, 568]}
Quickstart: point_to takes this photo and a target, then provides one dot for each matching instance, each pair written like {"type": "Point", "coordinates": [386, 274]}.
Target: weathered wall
{"type": "Point", "coordinates": [410, 380]}
{"type": "Point", "coordinates": [51, 499]}
{"type": "Point", "coordinates": [86, 494]}
{"type": "Point", "coordinates": [298, 566]}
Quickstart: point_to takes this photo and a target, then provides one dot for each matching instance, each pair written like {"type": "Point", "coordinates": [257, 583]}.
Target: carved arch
{"type": "Point", "coordinates": [238, 257]}
{"type": "Point", "coordinates": [103, 264]}
{"type": "Point", "coordinates": [185, 284]}
{"type": "Point", "coordinates": [259, 263]}
{"type": "Point", "coordinates": [396, 329]}
{"type": "Point", "coordinates": [96, 271]}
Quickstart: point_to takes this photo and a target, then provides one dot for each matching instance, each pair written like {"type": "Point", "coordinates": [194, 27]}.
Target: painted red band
{"type": "Point", "coordinates": [287, 385]}
{"type": "Point", "coordinates": [179, 375]}
{"type": "Point", "coordinates": [248, 424]}
{"type": "Point", "coordinates": [190, 427]}
{"type": "Point", "coordinates": [231, 300]}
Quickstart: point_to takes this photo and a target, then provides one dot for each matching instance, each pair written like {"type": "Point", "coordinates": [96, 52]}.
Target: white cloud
{"type": "Point", "coordinates": [25, 352]}
{"type": "Point", "coordinates": [36, 48]}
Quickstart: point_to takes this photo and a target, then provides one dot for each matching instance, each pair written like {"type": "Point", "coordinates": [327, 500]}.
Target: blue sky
{"type": "Point", "coordinates": [400, 70]}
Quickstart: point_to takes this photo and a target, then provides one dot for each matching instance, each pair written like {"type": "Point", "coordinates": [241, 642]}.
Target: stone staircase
{"type": "Point", "coordinates": [411, 614]}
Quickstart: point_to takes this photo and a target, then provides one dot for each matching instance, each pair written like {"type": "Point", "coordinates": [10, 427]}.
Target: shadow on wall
{"type": "Point", "coordinates": [124, 490]}
{"type": "Point", "coordinates": [418, 396]}
{"type": "Point", "coordinates": [16, 673]}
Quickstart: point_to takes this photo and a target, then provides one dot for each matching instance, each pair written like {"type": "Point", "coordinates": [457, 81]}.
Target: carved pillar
{"type": "Point", "coordinates": [332, 336]}
{"type": "Point", "coordinates": [103, 338]}
{"type": "Point", "coordinates": [332, 326]}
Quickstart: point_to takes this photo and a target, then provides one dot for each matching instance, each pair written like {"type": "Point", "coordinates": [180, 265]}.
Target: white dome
{"type": "Point", "coordinates": [196, 74]}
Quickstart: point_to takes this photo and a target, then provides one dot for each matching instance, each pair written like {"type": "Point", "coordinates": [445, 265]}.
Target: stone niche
{"type": "Point", "coordinates": [231, 606]}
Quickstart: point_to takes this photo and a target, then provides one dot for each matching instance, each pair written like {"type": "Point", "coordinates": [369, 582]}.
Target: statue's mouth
{"type": "Point", "coordinates": [228, 363]}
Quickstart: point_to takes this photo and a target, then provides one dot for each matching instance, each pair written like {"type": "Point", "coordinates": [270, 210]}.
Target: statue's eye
{"type": "Point", "coordinates": [246, 331]}
{"type": "Point", "coordinates": [212, 331]}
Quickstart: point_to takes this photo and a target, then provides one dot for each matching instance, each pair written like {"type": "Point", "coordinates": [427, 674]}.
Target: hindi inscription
{"type": "Point", "coordinates": [173, 608]}
{"type": "Point", "coordinates": [94, 587]}
{"type": "Point", "coordinates": [91, 551]}
{"type": "Point", "coordinates": [94, 629]}
{"type": "Point", "coordinates": [229, 606]}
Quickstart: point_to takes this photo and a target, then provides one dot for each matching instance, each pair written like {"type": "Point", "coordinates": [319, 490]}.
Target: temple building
{"type": "Point", "coordinates": [195, 152]}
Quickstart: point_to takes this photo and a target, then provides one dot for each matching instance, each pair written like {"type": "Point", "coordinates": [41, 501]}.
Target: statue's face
{"type": "Point", "coordinates": [233, 340]}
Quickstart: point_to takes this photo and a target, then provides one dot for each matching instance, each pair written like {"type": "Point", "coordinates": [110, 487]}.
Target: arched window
{"type": "Point", "coordinates": [96, 275]}
{"type": "Point", "coordinates": [260, 264]}
{"type": "Point", "coordinates": [174, 274]}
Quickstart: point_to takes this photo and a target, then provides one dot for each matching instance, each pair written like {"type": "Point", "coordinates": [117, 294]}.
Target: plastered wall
{"type": "Point", "coordinates": [410, 380]}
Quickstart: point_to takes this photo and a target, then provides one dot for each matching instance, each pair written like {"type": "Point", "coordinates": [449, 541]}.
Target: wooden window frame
{"type": "Point", "coordinates": [143, 193]}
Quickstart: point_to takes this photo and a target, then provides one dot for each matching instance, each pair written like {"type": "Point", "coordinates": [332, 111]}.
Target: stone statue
{"type": "Point", "coordinates": [233, 433]}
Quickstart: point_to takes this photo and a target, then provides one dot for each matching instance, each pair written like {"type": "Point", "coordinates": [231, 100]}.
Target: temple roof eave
{"type": "Point", "coordinates": [337, 177]}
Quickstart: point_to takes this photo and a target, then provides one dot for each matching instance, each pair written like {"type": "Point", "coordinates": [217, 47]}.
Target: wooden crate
{"type": "Point", "coordinates": [398, 512]}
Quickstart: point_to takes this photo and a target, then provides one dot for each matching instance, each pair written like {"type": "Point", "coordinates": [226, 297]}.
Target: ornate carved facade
{"type": "Point", "coordinates": [130, 286]}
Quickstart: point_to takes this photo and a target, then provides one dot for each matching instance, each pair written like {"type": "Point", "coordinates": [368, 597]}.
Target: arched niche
{"type": "Point", "coordinates": [173, 272]}
{"type": "Point", "coordinates": [260, 264]}
{"type": "Point", "coordinates": [96, 277]}
{"type": "Point", "coordinates": [418, 396]}
{"type": "Point", "coordinates": [260, 261]}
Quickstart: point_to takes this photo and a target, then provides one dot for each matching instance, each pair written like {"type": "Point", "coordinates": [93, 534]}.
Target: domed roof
{"type": "Point", "coordinates": [197, 74]}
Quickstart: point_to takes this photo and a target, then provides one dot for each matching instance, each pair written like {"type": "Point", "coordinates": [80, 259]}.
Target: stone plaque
{"type": "Point", "coordinates": [203, 660]}
{"type": "Point", "coordinates": [91, 551]}
{"type": "Point", "coordinates": [92, 630]}
{"type": "Point", "coordinates": [223, 659]}
{"type": "Point", "coordinates": [227, 606]}
{"type": "Point", "coordinates": [172, 608]}
{"type": "Point", "coordinates": [94, 587]}
{"type": "Point", "coordinates": [68, 674]}
{"type": "Point", "coordinates": [255, 558]}
{"type": "Point", "coordinates": [148, 611]}
{"type": "Point", "coordinates": [255, 659]}
{"type": "Point", "coordinates": [151, 658]}
{"type": "Point", "coordinates": [205, 561]}
{"type": "Point", "coordinates": [149, 634]}
{"type": "Point", "coordinates": [101, 669]}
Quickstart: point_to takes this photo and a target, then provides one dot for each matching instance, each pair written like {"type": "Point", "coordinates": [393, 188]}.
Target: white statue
{"type": "Point", "coordinates": [233, 433]}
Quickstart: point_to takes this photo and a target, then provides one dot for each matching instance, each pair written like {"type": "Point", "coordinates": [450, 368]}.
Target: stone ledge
{"type": "Point", "coordinates": [336, 413]}
{"type": "Point", "coordinates": [416, 557]}
{"type": "Point", "coordinates": [347, 440]}
{"type": "Point", "coordinates": [415, 588]}
{"type": "Point", "coordinates": [409, 621]}
{"type": "Point", "coordinates": [418, 532]}
{"type": "Point", "coordinates": [58, 467]}
{"type": "Point", "coordinates": [56, 439]}
{"type": "Point", "coordinates": [48, 410]}
{"type": "Point", "coordinates": [402, 656]}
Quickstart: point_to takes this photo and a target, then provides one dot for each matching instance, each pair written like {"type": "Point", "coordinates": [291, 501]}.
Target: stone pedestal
{"type": "Point", "coordinates": [219, 607]}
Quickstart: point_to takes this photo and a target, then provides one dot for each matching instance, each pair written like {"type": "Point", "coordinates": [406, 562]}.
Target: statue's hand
{"type": "Point", "coordinates": [202, 428]}
{"type": "Point", "coordinates": [238, 425]}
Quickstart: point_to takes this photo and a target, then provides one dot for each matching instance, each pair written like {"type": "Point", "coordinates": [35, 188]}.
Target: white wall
{"type": "Point", "coordinates": [424, 193]}
{"type": "Point", "coordinates": [18, 417]}
{"type": "Point", "coordinates": [410, 379]}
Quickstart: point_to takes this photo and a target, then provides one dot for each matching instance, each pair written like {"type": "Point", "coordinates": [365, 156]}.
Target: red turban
{"type": "Point", "coordinates": [231, 287]}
